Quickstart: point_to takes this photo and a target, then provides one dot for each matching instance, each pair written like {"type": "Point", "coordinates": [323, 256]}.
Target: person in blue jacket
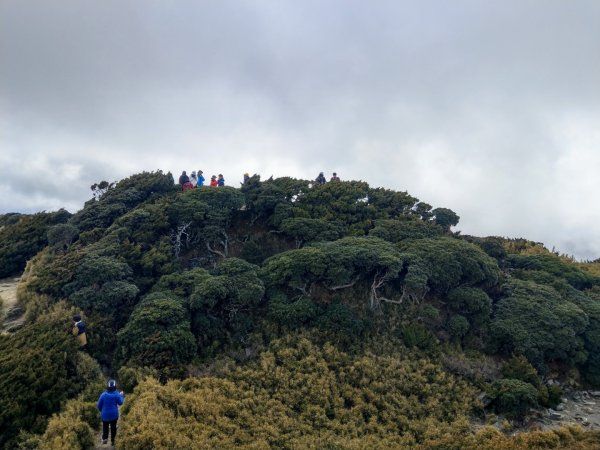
{"type": "Point", "coordinates": [108, 405]}
{"type": "Point", "coordinates": [200, 178]}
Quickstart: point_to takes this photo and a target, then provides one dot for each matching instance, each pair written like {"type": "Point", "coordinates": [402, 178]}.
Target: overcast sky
{"type": "Point", "coordinates": [490, 108]}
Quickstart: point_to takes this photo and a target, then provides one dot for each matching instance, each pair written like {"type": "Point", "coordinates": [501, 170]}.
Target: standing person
{"type": "Point", "coordinates": [193, 179]}
{"type": "Point", "coordinates": [200, 179]}
{"type": "Point", "coordinates": [213, 181]}
{"type": "Point", "coordinates": [108, 405]}
{"type": "Point", "coordinates": [221, 180]}
{"type": "Point", "coordinates": [321, 178]}
{"type": "Point", "coordinates": [246, 178]}
{"type": "Point", "coordinates": [79, 331]}
{"type": "Point", "coordinates": [335, 177]}
{"type": "Point", "coordinates": [184, 181]}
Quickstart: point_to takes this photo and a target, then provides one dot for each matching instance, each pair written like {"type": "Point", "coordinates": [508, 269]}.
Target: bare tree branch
{"type": "Point", "coordinates": [344, 286]}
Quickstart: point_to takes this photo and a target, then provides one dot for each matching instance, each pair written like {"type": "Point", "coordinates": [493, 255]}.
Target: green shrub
{"type": "Point", "coordinates": [458, 327]}
{"type": "Point", "coordinates": [416, 335]}
{"type": "Point", "coordinates": [514, 397]}
{"type": "Point", "coordinates": [519, 368]}
{"type": "Point", "coordinates": [158, 334]}
{"type": "Point", "coordinates": [38, 371]}
{"type": "Point", "coordinates": [535, 321]}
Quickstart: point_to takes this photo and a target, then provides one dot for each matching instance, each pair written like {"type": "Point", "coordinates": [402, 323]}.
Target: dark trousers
{"type": "Point", "coordinates": [113, 430]}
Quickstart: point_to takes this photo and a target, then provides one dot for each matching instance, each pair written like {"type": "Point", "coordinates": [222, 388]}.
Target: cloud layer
{"type": "Point", "coordinates": [489, 109]}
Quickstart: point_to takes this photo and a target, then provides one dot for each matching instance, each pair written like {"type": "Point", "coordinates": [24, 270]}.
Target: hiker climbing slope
{"type": "Point", "coordinates": [79, 330]}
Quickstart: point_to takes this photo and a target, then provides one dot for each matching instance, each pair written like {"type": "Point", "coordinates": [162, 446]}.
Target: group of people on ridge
{"type": "Point", "coordinates": [197, 180]}
{"type": "Point", "coordinates": [321, 178]}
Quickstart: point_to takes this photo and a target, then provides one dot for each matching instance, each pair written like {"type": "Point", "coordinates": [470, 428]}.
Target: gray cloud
{"type": "Point", "coordinates": [489, 109]}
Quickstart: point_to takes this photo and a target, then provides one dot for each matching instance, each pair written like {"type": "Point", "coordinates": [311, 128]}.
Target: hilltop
{"type": "Point", "coordinates": [289, 315]}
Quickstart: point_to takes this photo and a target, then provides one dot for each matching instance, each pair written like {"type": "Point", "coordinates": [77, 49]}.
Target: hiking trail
{"type": "Point", "coordinates": [12, 314]}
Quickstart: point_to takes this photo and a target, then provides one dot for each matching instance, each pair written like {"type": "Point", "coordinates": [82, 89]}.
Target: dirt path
{"type": "Point", "coordinates": [12, 314]}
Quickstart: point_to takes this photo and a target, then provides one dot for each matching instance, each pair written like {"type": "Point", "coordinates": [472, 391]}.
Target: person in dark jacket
{"type": "Point", "coordinates": [79, 331]}
{"type": "Point", "coordinates": [321, 178]}
{"type": "Point", "coordinates": [184, 181]}
{"type": "Point", "coordinates": [108, 405]}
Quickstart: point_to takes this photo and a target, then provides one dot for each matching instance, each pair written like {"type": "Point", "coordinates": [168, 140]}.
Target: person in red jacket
{"type": "Point", "coordinates": [213, 181]}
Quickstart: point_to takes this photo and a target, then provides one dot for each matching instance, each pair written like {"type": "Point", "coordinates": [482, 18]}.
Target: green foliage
{"type": "Point", "coordinates": [472, 302]}
{"type": "Point", "coordinates": [292, 312]}
{"type": "Point", "coordinates": [458, 327]}
{"type": "Point", "coordinates": [533, 320]}
{"type": "Point", "coordinates": [416, 335]}
{"type": "Point", "coordinates": [61, 236]}
{"type": "Point", "coordinates": [39, 369]}
{"type": "Point", "coordinates": [341, 320]}
{"type": "Point", "coordinates": [336, 265]}
{"type": "Point", "coordinates": [519, 368]}
{"type": "Point", "coordinates": [441, 264]}
{"type": "Point", "coordinates": [157, 334]}
{"type": "Point", "coordinates": [225, 303]}
{"type": "Point", "coordinates": [390, 204]}
{"type": "Point", "coordinates": [429, 313]}
{"type": "Point", "coordinates": [445, 218]}
{"type": "Point", "coordinates": [131, 376]}
{"type": "Point", "coordinates": [556, 267]}
{"type": "Point", "coordinates": [311, 230]}
{"type": "Point", "coordinates": [345, 202]}
{"type": "Point", "coordinates": [22, 239]}
{"type": "Point", "coordinates": [514, 397]}
{"type": "Point", "coordinates": [116, 200]}
{"type": "Point", "coordinates": [590, 304]}
{"type": "Point", "coordinates": [492, 245]}
{"type": "Point", "coordinates": [101, 285]}
{"type": "Point", "coordinates": [405, 228]}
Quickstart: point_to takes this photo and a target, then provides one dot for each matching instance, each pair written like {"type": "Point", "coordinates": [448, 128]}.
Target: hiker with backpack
{"type": "Point", "coordinates": [108, 405]}
{"type": "Point", "coordinates": [79, 331]}
{"type": "Point", "coordinates": [184, 181]}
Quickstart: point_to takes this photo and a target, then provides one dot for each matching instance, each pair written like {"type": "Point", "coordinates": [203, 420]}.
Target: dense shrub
{"type": "Point", "coordinates": [535, 321]}
{"type": "Point", "coordinates": [439, 265]}
{"type": "Point", "coordinates": [514, 397]}
{"type": "Point", "coordinates": [518, 368]}
{"type": "Point", "coordinates": [158, 334]}
{"type": "Point", "coordinates": [298, 395]}
{"type": "Point", "coordinates": [39, 369]}
{"type": "Point", "coordinates": [22, 239]}
{"type": "Point", "coordinates": [458, 326]}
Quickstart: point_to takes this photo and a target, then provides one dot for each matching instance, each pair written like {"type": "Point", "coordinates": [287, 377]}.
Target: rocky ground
{"type": "Point", "coordinates": [577, 407]}
{"type": "Point", "coordinates": [12, 314]}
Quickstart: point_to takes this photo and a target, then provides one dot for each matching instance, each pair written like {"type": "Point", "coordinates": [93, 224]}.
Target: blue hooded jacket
{"type": "Point", "coordinates": [108, 405]}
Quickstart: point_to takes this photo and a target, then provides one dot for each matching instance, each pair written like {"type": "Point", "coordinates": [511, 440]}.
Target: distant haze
{"type": "Point", "coordinates": [491, 109]}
